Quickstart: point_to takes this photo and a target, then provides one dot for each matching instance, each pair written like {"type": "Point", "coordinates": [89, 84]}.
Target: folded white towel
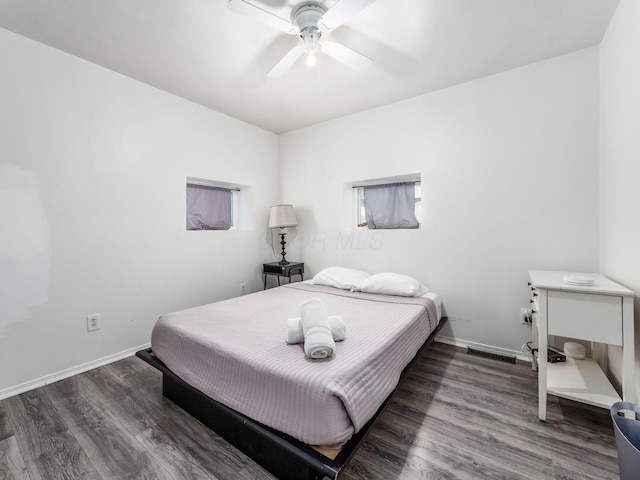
{"type": "Point", "coordinates": [318, 341]}
{"type": "Point", "coordinates": [295, 334]}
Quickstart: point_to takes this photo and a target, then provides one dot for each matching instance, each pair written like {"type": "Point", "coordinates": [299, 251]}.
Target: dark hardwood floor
{"type": "Point", "coordinates": [457, 417]}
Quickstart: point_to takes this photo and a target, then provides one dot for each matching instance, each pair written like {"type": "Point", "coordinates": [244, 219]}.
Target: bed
{"type": "Point", "coordinates": [229, 366]}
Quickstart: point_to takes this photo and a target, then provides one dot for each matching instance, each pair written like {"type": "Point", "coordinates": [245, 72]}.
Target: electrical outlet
{"type": "Point", "coordinates": [525, 316]}
{"type": "Point", "coordinates": [243, 288]}
{"type": "Point", "coordinates": [93, 322]}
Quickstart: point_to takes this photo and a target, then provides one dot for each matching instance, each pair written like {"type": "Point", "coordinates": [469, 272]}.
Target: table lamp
{"type": "Point", "coordinates": [282, 216]}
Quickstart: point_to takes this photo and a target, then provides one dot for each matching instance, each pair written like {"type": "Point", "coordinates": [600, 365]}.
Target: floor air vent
{"type": "Point", "coordinates": [491, 355]}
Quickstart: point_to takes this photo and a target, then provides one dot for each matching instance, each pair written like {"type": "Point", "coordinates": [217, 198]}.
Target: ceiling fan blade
{"type": "Point", "coordinates": [342, 11]}
{"type": "Point", "coordinates": [253, 11]}
{"type": "Point", "coordinates": [287, 62]}
{"type": "Point", "coordinates": [349, 57]}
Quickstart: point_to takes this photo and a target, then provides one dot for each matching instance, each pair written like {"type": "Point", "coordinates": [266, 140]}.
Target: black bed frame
{"type": "Point", "coordinates": [283, 456]}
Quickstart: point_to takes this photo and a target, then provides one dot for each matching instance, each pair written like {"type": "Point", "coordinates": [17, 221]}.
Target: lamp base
{"type": "Point", "coordinates": [282, 242]}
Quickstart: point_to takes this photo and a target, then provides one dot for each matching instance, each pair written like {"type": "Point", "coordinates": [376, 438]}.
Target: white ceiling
{"type": "Point", "coordinates": [201, 51]}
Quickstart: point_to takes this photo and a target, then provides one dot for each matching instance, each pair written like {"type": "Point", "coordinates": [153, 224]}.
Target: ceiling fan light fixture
{"type": "Point", "coordinates": [311, 38]}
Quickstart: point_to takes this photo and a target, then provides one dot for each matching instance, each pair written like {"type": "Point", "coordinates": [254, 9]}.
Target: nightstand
{"type": "Point", "coordinates": [274, 268]}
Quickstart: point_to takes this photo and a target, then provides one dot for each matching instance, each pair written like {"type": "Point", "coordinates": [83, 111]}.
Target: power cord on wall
{"type": "Point", "coordinates": [273, 249]}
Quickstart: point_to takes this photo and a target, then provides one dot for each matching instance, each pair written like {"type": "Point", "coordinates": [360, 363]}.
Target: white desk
{"type": "Point", "coordinates": [600, 313]}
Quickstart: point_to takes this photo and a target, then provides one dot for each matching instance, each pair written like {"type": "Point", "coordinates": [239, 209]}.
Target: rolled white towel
{"type": "Point", "coordinates": [295, 334]}
{"type": "Point", "coordinates": [318, 341]}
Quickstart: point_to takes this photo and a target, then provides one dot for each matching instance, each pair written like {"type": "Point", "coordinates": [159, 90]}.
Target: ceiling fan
{"type": "Point", "coordinates": [309, 20]}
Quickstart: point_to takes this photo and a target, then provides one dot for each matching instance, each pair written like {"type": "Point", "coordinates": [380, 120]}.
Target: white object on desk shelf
{"type": "Point", "coordinates": [574, 350]}
{"type": "Point", "coordinates": [600, 312]}
{"type": "Point", "coordinates": [578, 280]}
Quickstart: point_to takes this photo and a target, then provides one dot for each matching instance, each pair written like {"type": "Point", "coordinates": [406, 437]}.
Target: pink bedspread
{"type": "Point", "coordinates": [234, 351]}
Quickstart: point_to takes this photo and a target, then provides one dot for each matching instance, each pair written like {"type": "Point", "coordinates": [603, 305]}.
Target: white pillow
{"type": "Point", "coordinates": [392, 284]}
{"type": "Point", "coordinates": [339, 277]}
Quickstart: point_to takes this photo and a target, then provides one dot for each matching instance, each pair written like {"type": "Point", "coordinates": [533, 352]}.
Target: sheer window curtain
{"type": "Point", "coordinates": [390, 206]}
{"type": "Point", "coordinates": [208, 208]}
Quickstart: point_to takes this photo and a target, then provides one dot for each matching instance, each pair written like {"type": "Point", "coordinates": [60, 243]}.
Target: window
{"type": "Point", "coordinates": [389, 204]}
{"type": "Point", "coordinates": [210, 206]}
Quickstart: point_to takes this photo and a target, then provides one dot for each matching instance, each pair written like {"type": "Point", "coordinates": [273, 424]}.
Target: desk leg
{"type": "Point", "coordinates": [628, 356]}
{"type": "Point", "coordinates": [543, 329]}
{"type": "Point", "coordinates": [265, 281]}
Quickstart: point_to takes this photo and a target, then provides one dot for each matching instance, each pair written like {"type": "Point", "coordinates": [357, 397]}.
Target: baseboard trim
{"type": "Point", "coordinates": [69, 372]}
{"type": "Point", "coordinates": [480, 346]}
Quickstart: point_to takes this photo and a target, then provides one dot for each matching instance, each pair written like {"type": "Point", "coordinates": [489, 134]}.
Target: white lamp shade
{"type": "Point", "coordinates": [282, 216]}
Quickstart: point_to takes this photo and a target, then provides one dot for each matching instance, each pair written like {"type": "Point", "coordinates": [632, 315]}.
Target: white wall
{"type": "Point", "coordinates": [92, 199]}
{"type": "Point", "coordinates": [620, 160]}
{"type": "Point", "coordinates": [509, 168]}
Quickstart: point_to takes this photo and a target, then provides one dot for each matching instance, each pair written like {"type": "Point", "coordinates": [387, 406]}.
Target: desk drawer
{"type": "Point", "coordinates": [277, 269]}
{"type": "Point", "coordinates": [583, 316]}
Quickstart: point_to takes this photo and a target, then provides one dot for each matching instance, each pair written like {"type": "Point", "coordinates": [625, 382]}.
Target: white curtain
{"type": "Point", "coordinates": [208, 208]}
{"type": "Point", "coordinates": [390, 206]}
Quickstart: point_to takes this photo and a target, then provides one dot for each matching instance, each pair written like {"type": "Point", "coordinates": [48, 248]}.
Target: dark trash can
{"type": "Point", "coordinates": [627, 440]}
